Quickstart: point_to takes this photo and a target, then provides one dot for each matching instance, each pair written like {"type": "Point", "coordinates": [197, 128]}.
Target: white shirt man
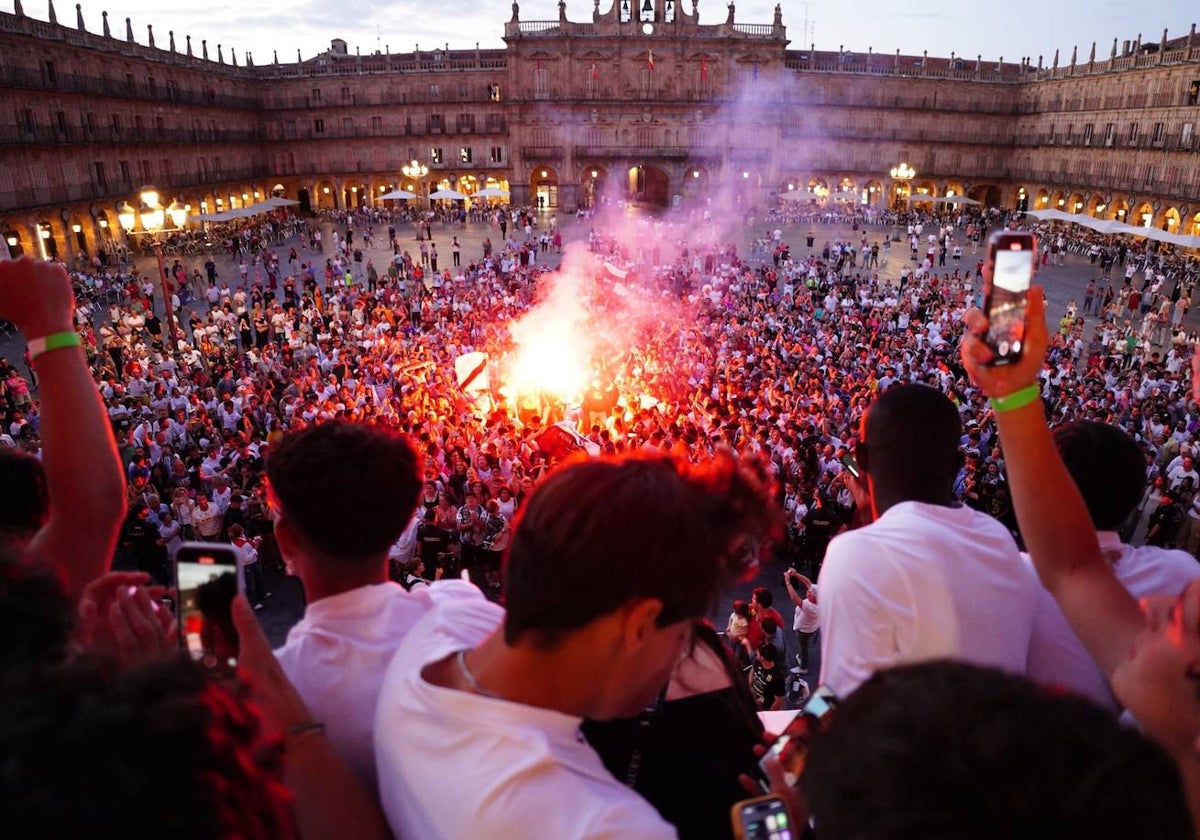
{"type": "Point", "coordinates": [1057, 657]}
{"type": "Point", "coordinates": [923, 582]}
{"type": "Point", "coordinates": [509, 760]}
{"type": "Point", "coordinates": [337, 654]}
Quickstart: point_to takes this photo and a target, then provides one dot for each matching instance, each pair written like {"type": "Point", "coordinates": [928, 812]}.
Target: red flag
{"type": "Point", "coordinates": [650, 58]}
{"type": "Point", "coordinates": [703, 69]}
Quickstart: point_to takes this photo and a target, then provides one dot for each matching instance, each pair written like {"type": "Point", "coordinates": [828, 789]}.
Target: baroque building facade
{"type": "Point", "coordinates": [642, 102]}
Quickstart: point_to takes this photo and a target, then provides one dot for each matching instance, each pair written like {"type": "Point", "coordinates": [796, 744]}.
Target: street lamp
{"type": "Point", "coordinates": [902, 174]}
{"type": "Point", "coordinates": [157, 223]}
{"type": "Point", "coordinates": [417, 171]}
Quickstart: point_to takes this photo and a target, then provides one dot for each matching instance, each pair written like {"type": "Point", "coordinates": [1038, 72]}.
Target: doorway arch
{"type": "Point", "coordinates": [543, 186]}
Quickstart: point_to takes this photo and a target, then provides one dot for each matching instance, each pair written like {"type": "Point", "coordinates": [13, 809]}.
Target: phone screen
{"type": "Point", "coordinates": [765, 818]}
{"type": "Point", "coordinates": [1012, 272]}
{"type": "Point", "coordinates": [851, 465]}
{"type": "Point", "coordinates": [206, 579]}
{"type": "Point", "coordinates": [791, 747]}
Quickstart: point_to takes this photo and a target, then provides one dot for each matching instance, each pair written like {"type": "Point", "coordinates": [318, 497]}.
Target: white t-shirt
{"type": "Point", "coordinates": [1057, 657]}
{"type": "Point", "coordinates": [337, 654]}
{"type": "Point", "coordinates": [807, 618]}
{"type": "Point", "coordinates": [454, 765]}
{"type": "Point", "coordinates": [923, 582]}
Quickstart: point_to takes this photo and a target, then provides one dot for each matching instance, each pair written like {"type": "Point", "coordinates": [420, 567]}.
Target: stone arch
{"type": "Point", "coordinates": [543, 187]}
{"type": "Point", "coordinates": [1168, 220]}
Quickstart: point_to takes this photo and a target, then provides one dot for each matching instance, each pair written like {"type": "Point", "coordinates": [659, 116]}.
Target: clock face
{"type": "Point", "coordinates": [648, 28]}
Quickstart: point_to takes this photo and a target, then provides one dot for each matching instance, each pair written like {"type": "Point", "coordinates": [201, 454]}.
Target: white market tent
{"type": "Point", "coordinates": [956, 200]}
{"type": "Point", "coordinates": [396, 194]}
{"type": "Point", "coordinates": [492, 192]}
{"type": "Point", "coordinates": [451, 194]}
{"type": "Point", "coordinates": [1113, 226]}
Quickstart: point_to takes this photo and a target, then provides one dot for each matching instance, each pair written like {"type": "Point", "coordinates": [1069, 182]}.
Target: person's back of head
{"type": "Point", "coordinates": [600, 533]}
{"type": "Point", "coordinates": [160, 751]}
{"type": "Point", "coordinates": [348, 490]}
{"type": "Point", "coordinates": [1108, 467]}
{"type": "Point", "coordinates": [909, 445]}
{"type": "Point", "coordinates": [24, 503]}
{"type": "Point", "coordinates": [950, 750]}
{"type": "Point", "coordinates": [35, 617]}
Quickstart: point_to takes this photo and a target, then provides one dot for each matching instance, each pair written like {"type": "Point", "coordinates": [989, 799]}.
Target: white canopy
{"type": "Point", "coordinates": [398, 194]}
{"type": "Point", "coordinates": [448, 194]}
{"type": "Point", "coordinates": [492, 192]}
{"type": "Point", "coordinates": [280, 201]}
{"type": "Point", "coordinates": [941, 199]}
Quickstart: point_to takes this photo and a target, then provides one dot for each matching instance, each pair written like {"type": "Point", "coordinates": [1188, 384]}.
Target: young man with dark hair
{"type": "Point", "coordinates": [1109, 469]}
{"type": "Point", "coordinates": [926, 579]}
{"type": "Point", "coordinates": [342, 494]}
{"type": "Point", "coordinates": [948, 750]}
{"type": "Point", "coordinates": [477, 731]}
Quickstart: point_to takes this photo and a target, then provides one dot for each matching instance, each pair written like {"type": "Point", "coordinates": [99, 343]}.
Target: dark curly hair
{"type": "Point", "coordinates": [947, 750]}
{"type": "Point", "coordinates": [349, 489]}
{"type": "Point", "coordinates": [160, 751]}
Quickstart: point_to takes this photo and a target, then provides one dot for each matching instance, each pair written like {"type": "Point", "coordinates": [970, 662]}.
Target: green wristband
{"type": "Point", "coordinates": [54, 341]}
{"type": "Point", "coordinates": [1017, 399]}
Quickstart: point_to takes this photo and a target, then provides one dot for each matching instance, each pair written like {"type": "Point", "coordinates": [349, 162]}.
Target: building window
{"type": "Point", "coordinates": [1193, 93]}
{"type": "Point", "coordinates": [346, 94]}
{"type": "Point", "coordinates": [126, 173]}
{"type": "Point", "coordinates": [464, 90]}
{"type": "Point", "coordinates": [1185, 135]}
{"type": "Point", "coordinates": [1134, 128]}
{"type": "Point", "coordinates": [89, 120]}
{"type": "Point", "coordinates": [116, 123]}
{"type": "Point", "coordinates": [1159, 130]}
{"type": "Point", "coordinates": [466, 123]}
{"type": "Point", "coordinates": [27, 120]}
{"type": "Point", "coordinates": [49, 73]}
{"type": "Point", "coordinates": [435, 155]}
{"type": "Point", "coordinates": [98, 173]}
{"type": "Point", "coordinates": [60, 117]}
{"type": "Point", "coordinates": [437, 123]}
{"type": "Point", "coordinates": [376, 124]}
{"type": "Point", "coordinates": [1087, 134]}
{"type": "Point", "coordinates": [435, 93]}
{"type": "Point", "coordinates": [493, 91]}
{"type": "Point", "coordinates": [497, 154]}
{"type": "Point", "coordinates": [318, 126]}
{"type": "Point", "coordinates": [316, 95]}
{"type": "Point", "coordinates": [465, 154]}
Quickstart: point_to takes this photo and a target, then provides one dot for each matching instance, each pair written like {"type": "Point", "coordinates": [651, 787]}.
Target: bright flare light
{"type": "Point", "coordinates": [550, 364]}
{"type": "Point", "coordinates": [553, 344]}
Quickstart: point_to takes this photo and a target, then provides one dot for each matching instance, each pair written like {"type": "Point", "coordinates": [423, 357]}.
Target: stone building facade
{"type": "Point", "coordinates": [642, 101]}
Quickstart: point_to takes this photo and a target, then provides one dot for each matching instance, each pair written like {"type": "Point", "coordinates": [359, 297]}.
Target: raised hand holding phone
{"type": "Point", "coordinates": [1008, 274]}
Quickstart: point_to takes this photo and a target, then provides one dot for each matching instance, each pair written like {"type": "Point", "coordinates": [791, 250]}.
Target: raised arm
{"type": "Point", "coordinates": [1053, 518]}
{"type": "Point", "coordinates": [84, 479]}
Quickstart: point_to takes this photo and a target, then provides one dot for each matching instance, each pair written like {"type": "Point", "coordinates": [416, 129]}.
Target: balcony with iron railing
{"type": "Point", "coordinates": [43, 135]}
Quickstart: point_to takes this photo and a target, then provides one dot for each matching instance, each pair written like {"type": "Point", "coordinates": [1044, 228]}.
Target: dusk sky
{"type": "Point", "coordinates": [1018, 28]}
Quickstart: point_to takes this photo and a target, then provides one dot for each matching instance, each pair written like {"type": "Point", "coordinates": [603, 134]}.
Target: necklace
{"type": "Point", "coordinates": [472, 683]}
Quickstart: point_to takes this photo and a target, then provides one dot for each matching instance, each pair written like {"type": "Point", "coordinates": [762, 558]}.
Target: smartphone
{"type": "Point", "coordinates": [851, 465]}
{"type": "Point", "coordinates": [791, 747]}
{"type": "Point", "coordinates": [1012, 256]}
{"type": "Point", "coordinates": [763, 818]}
{"type": "Point", "coordinates": [204, 632]}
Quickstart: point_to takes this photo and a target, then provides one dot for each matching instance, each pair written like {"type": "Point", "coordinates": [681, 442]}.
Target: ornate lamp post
{"type": "Point", "coordinates": [157, 223]}
{"type": "Point", "coordinates": [902, 174]}
{"type": "Point", "coordinates": [417, 171]}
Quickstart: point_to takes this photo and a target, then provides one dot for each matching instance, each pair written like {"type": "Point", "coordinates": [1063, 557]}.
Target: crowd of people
{"type": "Point", "coordinates": [792, 407]}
